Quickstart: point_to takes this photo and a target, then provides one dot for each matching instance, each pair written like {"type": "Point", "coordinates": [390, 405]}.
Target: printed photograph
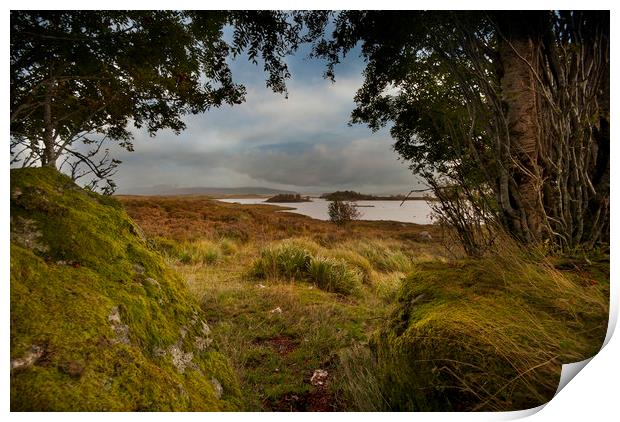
{"type": "Point", "coordinates": [306, 210]}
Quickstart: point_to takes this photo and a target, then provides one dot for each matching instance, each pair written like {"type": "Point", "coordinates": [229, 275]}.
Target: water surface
{"type": "Point", "coordinates": [410, 212]}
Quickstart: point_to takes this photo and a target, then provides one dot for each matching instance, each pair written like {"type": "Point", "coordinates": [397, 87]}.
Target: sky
{"type": "Point", "coordinates": [302, 143]}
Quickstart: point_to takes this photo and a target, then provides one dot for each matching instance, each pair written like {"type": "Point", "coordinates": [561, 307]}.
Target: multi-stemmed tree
{"type": "Point", "coordinates": [505, 114]}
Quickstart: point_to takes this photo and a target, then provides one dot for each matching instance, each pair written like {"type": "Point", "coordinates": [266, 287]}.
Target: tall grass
{"type": "Point", "coordinates": [333, 275]}
{"type": "Point", "coordinates": [355, 260]}
{"type": "Point", "coordinates": [360, 382]}
{"type": "Point", "coordinates": [386, 286]}
{"type": "Point", "coordinates": [203, 251]}
{"type": "Point", "coordinates": [288, 260]}
{"type": "Point", "coordinates": [301, 260]}
{"type": "Point", "coordinates": [487, 334]}
{"type": "Point", "coordinates": [383, 256]}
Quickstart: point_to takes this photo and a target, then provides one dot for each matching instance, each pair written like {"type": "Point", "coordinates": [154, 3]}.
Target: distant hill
{"type": "Point", "coordinates": [212, 191]}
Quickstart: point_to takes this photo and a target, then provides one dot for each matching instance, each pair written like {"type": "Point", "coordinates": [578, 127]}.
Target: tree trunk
{"type": "Point", "coordinates": [49, 139]}
{"type": "Point", "coordinates": [518, 54]}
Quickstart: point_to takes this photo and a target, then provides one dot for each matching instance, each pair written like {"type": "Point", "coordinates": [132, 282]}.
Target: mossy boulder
{"type": "Point", "coordinates": [98, 321]}
{"type": "Point", "coordinates": [486, 334]}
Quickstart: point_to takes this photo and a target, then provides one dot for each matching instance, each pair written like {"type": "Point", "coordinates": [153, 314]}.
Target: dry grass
{"type": "Point", "coordinates": [422, 332]}
{"type": "Point", "coordinates": [191, 218]}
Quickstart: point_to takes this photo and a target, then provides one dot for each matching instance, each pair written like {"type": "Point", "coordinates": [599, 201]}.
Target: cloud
{"type": "Point", "coordinates": [357, 162]}
{"type": "Point", "coordinates": [300, 143]}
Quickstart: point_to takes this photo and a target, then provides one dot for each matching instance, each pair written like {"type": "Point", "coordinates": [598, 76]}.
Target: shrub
{"type": "Point", "coordinates": [341, 212]}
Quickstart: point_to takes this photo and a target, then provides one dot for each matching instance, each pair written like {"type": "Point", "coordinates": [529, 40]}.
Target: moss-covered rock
{"type": "Point", "coordinates": [485, 335]}
{"type": "Point", "coordinates": [98, 321]}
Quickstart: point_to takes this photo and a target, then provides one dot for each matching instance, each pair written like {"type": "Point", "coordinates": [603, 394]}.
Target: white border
{"type": "Point", "coordinates": [591, 395]}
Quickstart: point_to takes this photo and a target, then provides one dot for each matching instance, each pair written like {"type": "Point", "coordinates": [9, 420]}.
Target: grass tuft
{"type": "Point", "coordinates": [333, 275]}
{"type": "Point", "coordinates": [303, 260]}
{"type": "Point", "coordinates": [288, 260]}
{"type": "Point", "coordinates": [383, 256]}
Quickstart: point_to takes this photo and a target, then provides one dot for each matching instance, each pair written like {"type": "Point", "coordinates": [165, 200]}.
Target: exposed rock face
{"type": "Point", "coordinates": [217, 388]}
{"type": "Point", "coordinates": [203, 342]}
{"type": "Point", "coordinates": [25, 233]}
{"type": "Point", "coordinates": [181, 359]}
{"type": "Point", "coordinates": [29, 358]}
{"type": "Point", "coordinates": [121, 330]}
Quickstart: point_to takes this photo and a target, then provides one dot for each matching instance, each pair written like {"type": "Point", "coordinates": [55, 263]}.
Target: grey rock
{"type": "Point", "coordinates": [153, 282]}
{"type": "Point", "coordinates": [202, 343]}
{"type": "Point", "coordinates": [217, 388]}
{"type": "Point", "coordinates": [319, 377]}
{"type": "Point", "coordinates": [29, 358]}
{"type": "Point", "coordinates": [121, 330]}
{"type": "Point", "coordinates": [138, 268]}
{"type": "Point", "coordinates": [24, 232]}
{"type": "Point", "coordinates": [181, 359]}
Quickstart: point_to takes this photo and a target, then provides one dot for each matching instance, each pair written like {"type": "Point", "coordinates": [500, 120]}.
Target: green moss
{"type": "Point", "coordinates": [98, 322]}
{"type": "Point", "coordinates": [484, 335]}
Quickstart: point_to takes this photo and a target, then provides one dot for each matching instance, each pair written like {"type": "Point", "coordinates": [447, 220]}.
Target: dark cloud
{"type": "Point", "coordinates": [350, 164]}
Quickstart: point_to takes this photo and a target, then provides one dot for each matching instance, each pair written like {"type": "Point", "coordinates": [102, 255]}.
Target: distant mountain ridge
{"type": "Point", "coordinates": [173, 190]}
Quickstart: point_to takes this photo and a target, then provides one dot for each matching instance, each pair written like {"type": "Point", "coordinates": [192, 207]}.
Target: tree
{"type": "Point", "coordinates": [505, 114]}
{"type": "Point", "coordinates": [80, 78]}
{"type": "Point", "coordinates": [342, 212]}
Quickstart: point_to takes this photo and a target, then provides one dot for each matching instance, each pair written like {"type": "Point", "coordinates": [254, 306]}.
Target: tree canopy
{"type": "Point", "coordinates": [505, 114]}
{"type": "Point", "coordinates": [84, 77]}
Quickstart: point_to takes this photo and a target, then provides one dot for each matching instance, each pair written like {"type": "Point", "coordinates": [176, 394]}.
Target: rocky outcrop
{"type": "Point", "coordinates": [98, 321]}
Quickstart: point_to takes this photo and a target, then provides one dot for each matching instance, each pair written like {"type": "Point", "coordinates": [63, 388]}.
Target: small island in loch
{"type": "Point", "coordinates": [349, 195]}
{"type": "Point", "coordinates": [288, 197]}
